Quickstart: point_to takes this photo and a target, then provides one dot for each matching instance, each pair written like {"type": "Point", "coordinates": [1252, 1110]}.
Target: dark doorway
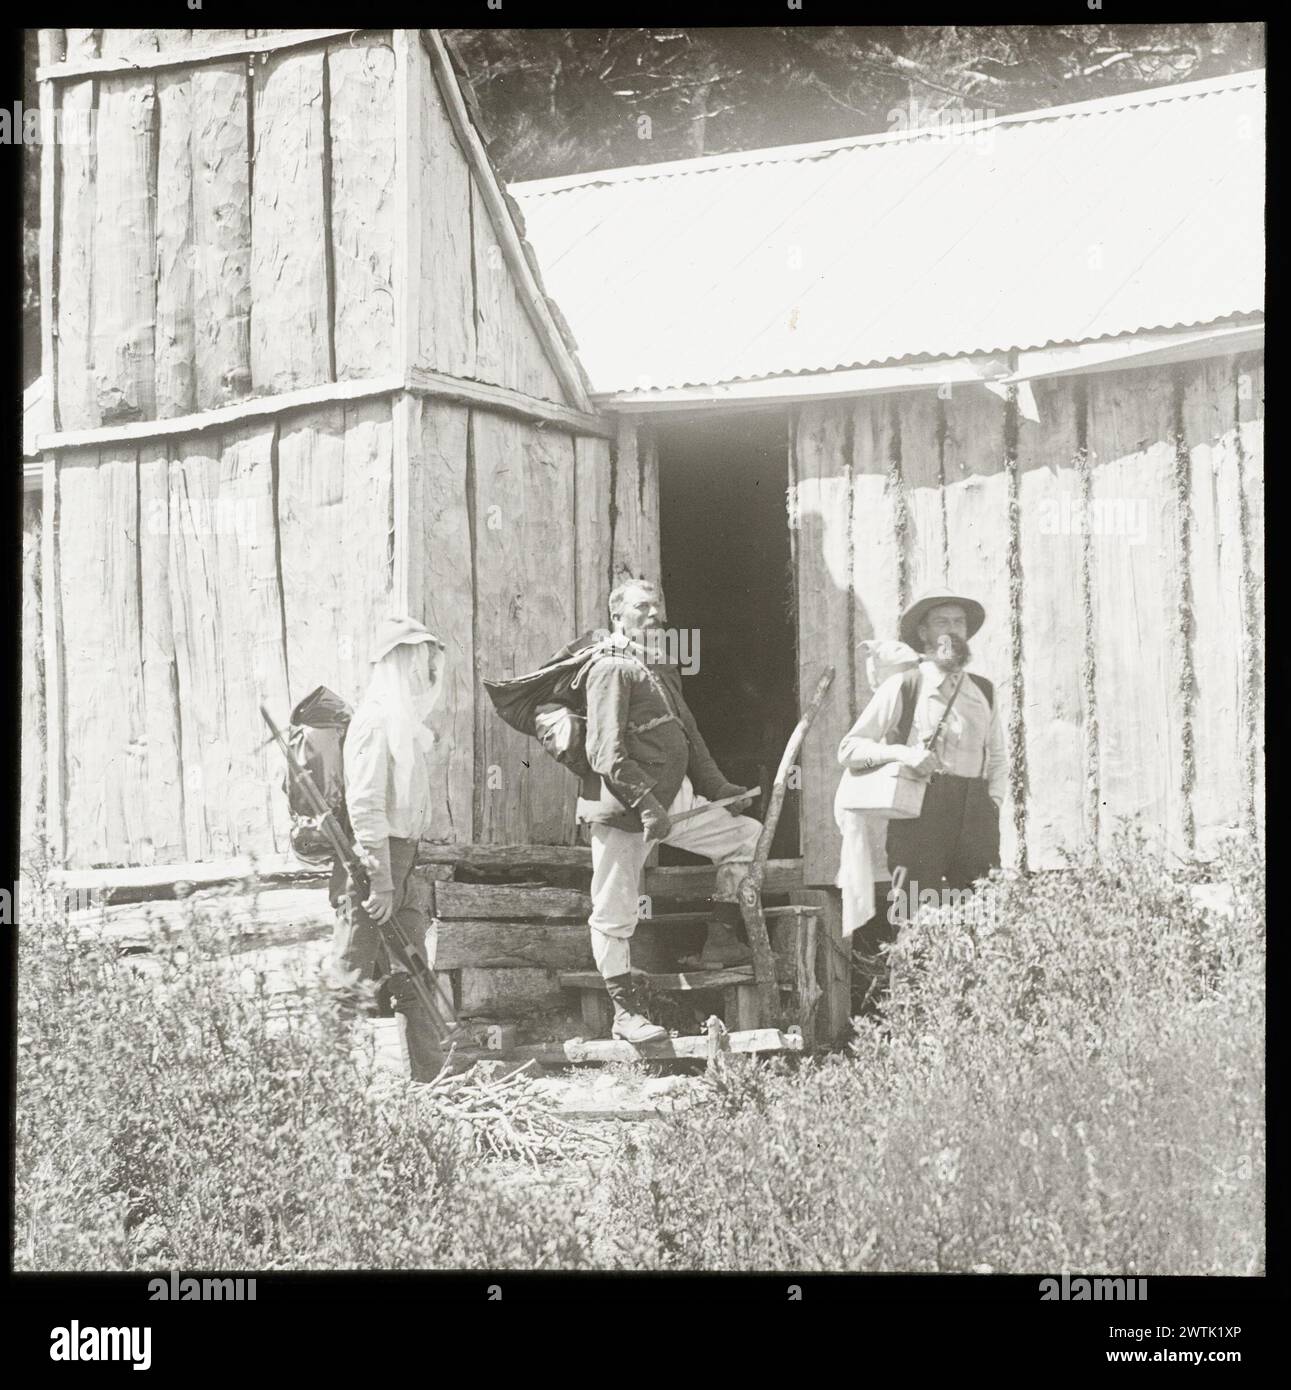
{"type": "Point", "coordinates": [727, 573]}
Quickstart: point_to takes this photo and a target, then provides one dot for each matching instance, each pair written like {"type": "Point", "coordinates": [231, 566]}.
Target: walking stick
{"type": "Point", "coordinates": [751, 886]}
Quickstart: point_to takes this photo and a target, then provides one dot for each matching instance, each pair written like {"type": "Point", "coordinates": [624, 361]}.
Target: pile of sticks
{"type": "Point", "coordinates": [506, 1117]}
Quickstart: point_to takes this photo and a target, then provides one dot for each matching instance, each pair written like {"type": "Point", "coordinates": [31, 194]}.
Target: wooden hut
{"type": "Point", "coordinates": [1022, 356]}
{"type": "Point", "coordinates": [302, 369]}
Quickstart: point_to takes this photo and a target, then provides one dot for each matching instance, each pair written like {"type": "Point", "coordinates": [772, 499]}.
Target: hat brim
{"type": "Point", "coordinates": [410, 639]}
{"type": "Point", "coordinates": [973, 610]}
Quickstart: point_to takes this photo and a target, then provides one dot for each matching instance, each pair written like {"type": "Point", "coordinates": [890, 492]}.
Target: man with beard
{"type": "Point", "coordinates": [956, 838]}
{"type": "Point", "coordinates": [648, 762]}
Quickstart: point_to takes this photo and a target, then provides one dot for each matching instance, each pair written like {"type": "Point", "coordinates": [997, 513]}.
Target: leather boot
{"type": "Point", "coordinates": [630, 1026]}
{"type": "Point", "coordinates": [723, 946]}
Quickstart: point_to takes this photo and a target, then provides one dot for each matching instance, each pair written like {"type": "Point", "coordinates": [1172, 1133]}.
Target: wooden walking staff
{"type": "Point", "coordinates": [751, 886]}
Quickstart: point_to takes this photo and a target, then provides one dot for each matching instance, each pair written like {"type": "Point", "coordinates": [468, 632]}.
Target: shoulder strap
{"type": "Point", "coordinates": [985, 687]}
{"type": "Point", "coordinates": [909, 693]}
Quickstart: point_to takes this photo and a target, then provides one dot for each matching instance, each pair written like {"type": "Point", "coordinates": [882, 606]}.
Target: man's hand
{"type": "Point", "coordinates": [655, 819]}
{"type": "Point", "coordinates": [920, 761]}
{"type": "Point", "coordinates": [380, 906]}
{"type": "Point", "coordinates": [736, 808]}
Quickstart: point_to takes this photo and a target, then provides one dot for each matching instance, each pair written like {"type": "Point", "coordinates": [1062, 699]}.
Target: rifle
{"type": "Point", "coordinates": [402, 948]}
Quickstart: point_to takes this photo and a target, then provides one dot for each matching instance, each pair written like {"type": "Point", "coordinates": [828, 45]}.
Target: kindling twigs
{"type": "Point", "coordinates": [505, 1117]}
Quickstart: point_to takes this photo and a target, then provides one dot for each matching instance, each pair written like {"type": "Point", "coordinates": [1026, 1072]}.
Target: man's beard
{"type": "Point", "coordinates": [950, 652]}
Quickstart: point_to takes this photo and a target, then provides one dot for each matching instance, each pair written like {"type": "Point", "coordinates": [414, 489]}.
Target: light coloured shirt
{"type": "Point", "coordinates": [971, 742]}
{"type": "Point", "coordinates": [377, 810]}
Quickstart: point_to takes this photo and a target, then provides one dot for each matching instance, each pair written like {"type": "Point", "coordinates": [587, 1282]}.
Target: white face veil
{"type": "Point", "coordinates": [402, 688]}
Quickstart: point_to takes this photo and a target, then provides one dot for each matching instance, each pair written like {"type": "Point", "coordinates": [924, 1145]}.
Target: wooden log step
{"type": "Point", "coordinates": [502, 945]}
{"type": "Point", "coordinates": [699, 880]}
{"type": "Point", "coordinates": [508, 902]}
{"type": "Point", "coordinates": [690, 980]}
{"type": "Point", "coordinates": [612, 1050]}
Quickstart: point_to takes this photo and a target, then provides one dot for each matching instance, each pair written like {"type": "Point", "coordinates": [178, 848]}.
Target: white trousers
{"type": "Point", "coordinates": [618, 857]}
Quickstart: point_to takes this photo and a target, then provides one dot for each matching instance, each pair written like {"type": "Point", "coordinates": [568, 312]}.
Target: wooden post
{"type": "Point", "coordinates": [751, 887]}
{"type": "Point", "coordinates": [831, 963]}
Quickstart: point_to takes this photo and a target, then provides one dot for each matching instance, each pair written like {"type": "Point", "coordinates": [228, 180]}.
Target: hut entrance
{"type": "Point", "coordinates": [728, 578]}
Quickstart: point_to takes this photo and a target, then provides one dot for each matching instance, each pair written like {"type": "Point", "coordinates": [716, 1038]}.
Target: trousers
{"type": "Point", "coordinates": [359, 953]}
{"type": "Point", "coordinates": [618, 857]}
{"type": "Point", "coordinates": [954, 841]}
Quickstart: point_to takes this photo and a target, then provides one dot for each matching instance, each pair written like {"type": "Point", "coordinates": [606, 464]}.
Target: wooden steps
{"type": "Point", "coordinates": [691, 979]}
{"type": "Point", "coordinates": [576, 1050]}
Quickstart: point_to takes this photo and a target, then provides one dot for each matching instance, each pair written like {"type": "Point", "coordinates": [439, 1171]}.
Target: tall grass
{"type": "Point", "coordinates": [1070, 1080]}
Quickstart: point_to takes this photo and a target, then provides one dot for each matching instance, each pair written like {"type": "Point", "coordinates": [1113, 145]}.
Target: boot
{"type": "Point", "coordinates": [723, 945]}
{"type": "Point", "coordinates": [628, 1025]}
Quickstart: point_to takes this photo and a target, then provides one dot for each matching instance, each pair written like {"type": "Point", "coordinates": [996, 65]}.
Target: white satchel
{"type": "Point", "coordinates": [891, 791]}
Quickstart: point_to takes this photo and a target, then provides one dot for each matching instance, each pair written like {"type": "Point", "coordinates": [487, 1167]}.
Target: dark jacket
{"type": "Point", "coordinates": [641, 739]}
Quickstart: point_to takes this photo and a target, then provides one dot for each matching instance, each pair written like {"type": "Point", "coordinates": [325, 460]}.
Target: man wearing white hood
{"type": "Point", "coordinates": [388, 795]}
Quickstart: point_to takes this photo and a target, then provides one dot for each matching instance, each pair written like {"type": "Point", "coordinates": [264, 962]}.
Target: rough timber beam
{"type": "Point", "coordinates": [419, 382]}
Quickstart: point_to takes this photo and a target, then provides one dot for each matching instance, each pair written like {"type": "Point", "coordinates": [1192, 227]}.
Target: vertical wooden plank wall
{"type": "Point", "coordinates": [333, 520]}
{"type": "Point", "coordinates": [442, 595]}
{"type": "Point", "coordinates": [221, 234]}
{"type": "Point", "coordinates": [32, 748]}
{"type": "Point", "coordinates": [1115, 542]}
{"type": "Point", "coordinates": [360, 91]}
{"type": "Point", "coordinates": [1137, 601]}
{"type": "Point", "coordinates": [163, 762]}
{"type": "Point", "coordinates": [824, 530]}
{"type": "Point", "coordinates": [291, 329]}
{"type": "Point", "coordinates": [523, 502]}
{"type": "Point", "coordinates": [1053, 622]}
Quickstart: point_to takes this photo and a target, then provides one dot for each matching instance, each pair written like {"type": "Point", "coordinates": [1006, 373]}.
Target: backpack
{"type": "Point", "coordinates": [316, 737]}
{"type": "Point", "coordinates": [550, 704]}
{"type": "Point", "coordinates": [910, 692]}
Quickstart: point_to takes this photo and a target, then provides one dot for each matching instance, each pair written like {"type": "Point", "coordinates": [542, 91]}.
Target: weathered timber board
{"type": "Point", "coordinates": [524, 592]}
{"type": "Point", "coordinates": [442, 594]}
{"type": "Point", "coordinates": [591, 532]}
{"type": "Point", "coordinates": [107, 801]}
{"type": "Point", "coordinates": [334, 479]}
{"type": "Point", "coordinates": [175, 348]}
{"type": "Point", "coordinates": [507, 993]}
{"type": "Point", "coordinates": [699, 880]}
{"type": "Point", "coordinates": [362, 133]}
{"type": "Point", "coordinates": [504, 902]}
{"type": "Point", "coordinates": [508, 350]}
{"type": "Point", "coordinates": [922, 423]}
{"type": "Point", "coordinates": [881, 582]}
{"type": "Point", "coordinates": [283, 913]}
{"type": "Point", "coordinates": [252, 657]}
{"type": "Point", "coordinates": [1250, 416]}
{"type": "Point", "coordinates": [977, 539]}
{"type": "Point", "coordinates": [195, 604]}
{"type": "Point", "coordinates": [77, 405]}
{"type": "Point", "coordinates": [1053, 626]}
{"type": "Point", "coordinates": [444, 301]}
{"type": "Point", "coordinates": [822, 493]}
{"type": "Point", "coordinates": [502, 945]}
{"type": "Point", "coordinates": [1215, 577]}
{"type": "Point", "coordinates": [221, 234]}
{"type": "Point", "coordinates": [123, 305]}
{"type": "Point", "coordinates": [635, 473]}
{"type": "Point", "coordinates": [679, 981]}
{"type": "Point", "coordinates": [32, 753]}
{"type": "Point", "coordinates": [162, 714]}
{"type": "Point", "coordinates": [1136, 586]}
{"type": "Point", "coordinates": [291, 309]}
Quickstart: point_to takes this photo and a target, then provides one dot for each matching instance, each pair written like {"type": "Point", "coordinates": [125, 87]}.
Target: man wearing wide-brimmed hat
{"type": "Point", "coordinates": [956, 838]}
{"type": "Point", "coordinates": [388, 795]}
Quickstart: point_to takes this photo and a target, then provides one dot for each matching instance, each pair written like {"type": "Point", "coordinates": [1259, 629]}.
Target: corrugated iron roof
{"type": "Point", "coordinates": [1062, 225]}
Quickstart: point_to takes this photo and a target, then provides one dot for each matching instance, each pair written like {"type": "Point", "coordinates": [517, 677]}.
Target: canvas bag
{"type": "Point", "coordinates": [893, 791]}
